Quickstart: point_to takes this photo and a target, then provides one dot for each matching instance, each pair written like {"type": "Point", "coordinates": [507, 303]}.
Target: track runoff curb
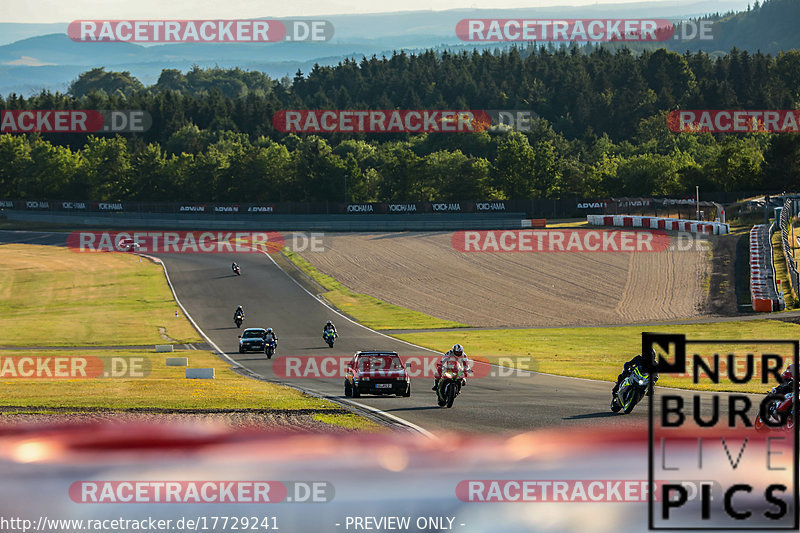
{"type": "Point", "coordinates": [366, 411]}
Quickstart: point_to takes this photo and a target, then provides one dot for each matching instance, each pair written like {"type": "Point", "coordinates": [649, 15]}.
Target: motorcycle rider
{"type": "Point", "coordinates": [238, 313]}
{"type": "Point", "coordinates": [234, 266]}
{"type": "Point", "coordinates": [329, 327]}
{"type": "Point", "coordinates": [456, 354]}
{"type": "Point", "coordinates": [637, 361]}
{"type": "Point", "coordinates": [786, 386]}
{"type": "Point", "coordinates": [271, 336]}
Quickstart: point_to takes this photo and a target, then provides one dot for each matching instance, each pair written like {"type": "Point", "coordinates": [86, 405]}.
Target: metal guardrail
{"type": "Point", "coordinates": [763, 291]}
{"type": "Point", "coordinates": [785, 221]}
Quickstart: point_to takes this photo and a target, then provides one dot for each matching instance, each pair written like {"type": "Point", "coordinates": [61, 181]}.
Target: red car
{"type": "Point", "coordinates": [376, 372]}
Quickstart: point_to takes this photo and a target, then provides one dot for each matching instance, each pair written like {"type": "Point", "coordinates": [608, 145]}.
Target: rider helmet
{"type": "Point", "coordinates": [269, 330]}
{"type": "Point", "coordinates": [789, 373]}
{"type": "Point", "coordinates": [458, 350]}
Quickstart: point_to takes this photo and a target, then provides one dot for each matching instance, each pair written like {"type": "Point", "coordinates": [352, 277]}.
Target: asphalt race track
{"type": "Point", "coordinates": [210, 292]}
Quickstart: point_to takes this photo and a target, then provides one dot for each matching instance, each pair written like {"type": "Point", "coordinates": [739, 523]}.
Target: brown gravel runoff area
{"type": "Point", "coordinates": [422, 271]}
{"type": "Point", "coordinates": [262, 419]}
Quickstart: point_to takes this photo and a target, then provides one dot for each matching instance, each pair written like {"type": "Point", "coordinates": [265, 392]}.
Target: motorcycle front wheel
{"type": "Point", "coordinates": [635, 398]}
{"type": "Point", "coordinates": [450, 394]}
{"type": "Point", "coordinates": [615, 406]}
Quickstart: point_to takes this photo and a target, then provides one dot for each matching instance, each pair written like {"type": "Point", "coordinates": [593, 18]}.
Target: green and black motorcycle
{"type": "Point", "coordinates": [630, 392]}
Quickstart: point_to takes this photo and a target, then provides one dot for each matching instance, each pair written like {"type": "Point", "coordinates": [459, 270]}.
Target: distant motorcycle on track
{"type": "Point", "coordinates": [269, 347]}
{"type": "Point", "coordinates": [449, 385]}
{"type": "Point", "coordinates": [329, 337]}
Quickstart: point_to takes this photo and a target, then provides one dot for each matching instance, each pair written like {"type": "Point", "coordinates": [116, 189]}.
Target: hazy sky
{"type": "Point", "coordinates": [69, 10]}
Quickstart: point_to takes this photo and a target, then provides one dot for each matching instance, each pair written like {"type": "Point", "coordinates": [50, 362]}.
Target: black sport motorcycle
{"type": "Point", "coordinates": [630, 392]}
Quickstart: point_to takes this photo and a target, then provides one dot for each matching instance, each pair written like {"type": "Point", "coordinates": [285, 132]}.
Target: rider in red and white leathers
{"type": "Point", "coordinates": [457, 355]}
{"type": "Point", "coordinates": [785, 387]}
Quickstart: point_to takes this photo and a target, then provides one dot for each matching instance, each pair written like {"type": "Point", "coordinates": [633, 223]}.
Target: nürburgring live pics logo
{"type": "Point", "coordinates": [755, 481]}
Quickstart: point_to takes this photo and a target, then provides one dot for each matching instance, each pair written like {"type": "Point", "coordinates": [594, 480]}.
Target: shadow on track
{"type": "Point", "coordinates": [593, 415]}
{"type": "Point", "coordinates": [421, 408]}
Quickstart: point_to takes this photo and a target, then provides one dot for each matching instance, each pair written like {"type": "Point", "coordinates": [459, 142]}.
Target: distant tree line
{"type": "Point", "coordinates": [602, 130]}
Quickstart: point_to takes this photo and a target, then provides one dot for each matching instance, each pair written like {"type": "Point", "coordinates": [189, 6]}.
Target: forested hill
{"type": "Point", "coordinates": [602, 131]}
{"type": "Point", "coordinates": [768, 27]}
{"type": "Point", "coordinates": [577, 91]}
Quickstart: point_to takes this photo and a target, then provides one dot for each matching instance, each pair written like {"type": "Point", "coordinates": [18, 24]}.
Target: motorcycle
{"type": "Point", "coordinates": [237, 270]}
{"type": "Point", "coordinates": [269, 348]}
{"type": "Point", "coordinates": [630, 391]}
{"type": "Point", "coordinates": [238, 319]}
{"type": "Point", "coordinates": [779, 410]}
{"type": "Point", "coordinates": [329, 337]}
{"type": "Point", "coordinates": [449, 386]}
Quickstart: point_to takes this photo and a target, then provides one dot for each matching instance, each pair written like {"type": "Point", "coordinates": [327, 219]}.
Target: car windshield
{"type": "Point", "coordinates": [380, 362]}
{"type": "Point", "coordinates": [253, 334]}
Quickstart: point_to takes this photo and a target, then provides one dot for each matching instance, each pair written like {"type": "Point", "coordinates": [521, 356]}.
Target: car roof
{"type": "Point", "coordinates": [375, 352]}
{"type": "Point", "coordinates": [254, 329]}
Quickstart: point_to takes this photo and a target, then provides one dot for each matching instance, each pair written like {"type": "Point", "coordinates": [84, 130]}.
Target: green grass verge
{"type": "Point", "coordinates": [366, 309]}
{"type": "Point", "coordinates": [598, 353]}
{"type": "Point", "coordinates": [163, 387]}
{"type": "Point", "coordinates": [103, 298]}
{"type": "Point", "coordinates": [51, 296]}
